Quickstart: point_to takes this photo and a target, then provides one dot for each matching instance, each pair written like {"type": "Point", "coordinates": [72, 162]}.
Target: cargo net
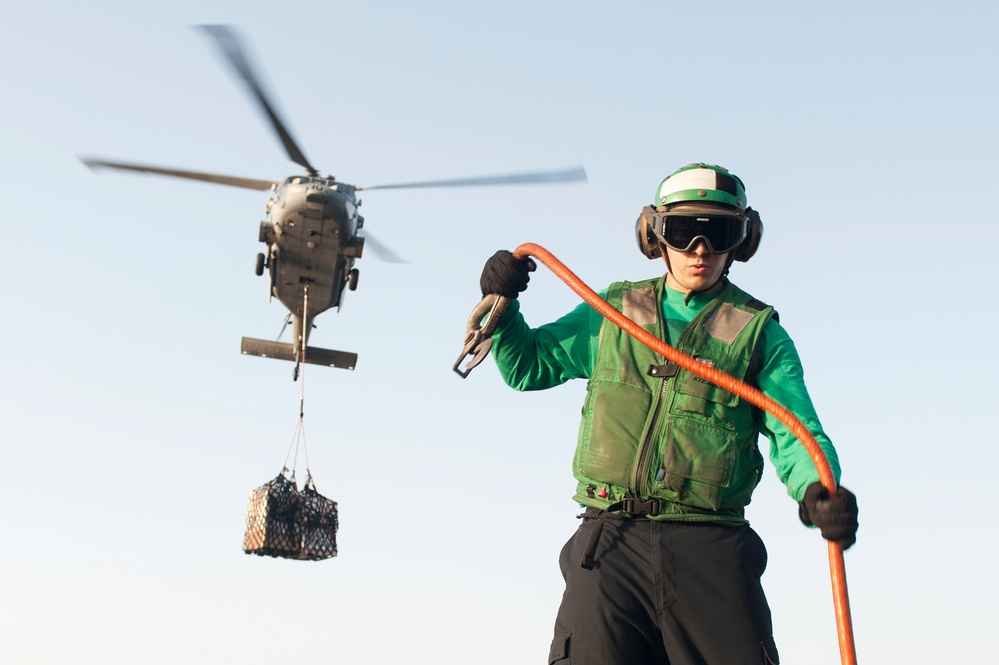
{"type": "Point", "coordinates": [282, 521]}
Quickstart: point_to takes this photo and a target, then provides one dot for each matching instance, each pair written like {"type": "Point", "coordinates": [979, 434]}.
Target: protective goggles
{"type": "Point", "coordinates": [721, 233]}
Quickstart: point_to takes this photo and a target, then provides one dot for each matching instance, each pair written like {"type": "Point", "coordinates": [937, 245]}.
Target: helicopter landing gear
{"type": "Point", "coordinates": [352, 278]}
{"type": "Point", "coordinates": [260, 264]}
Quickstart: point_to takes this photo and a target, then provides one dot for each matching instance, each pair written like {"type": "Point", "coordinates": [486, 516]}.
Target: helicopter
{"type": "Point", "coordinates": [311, 229]}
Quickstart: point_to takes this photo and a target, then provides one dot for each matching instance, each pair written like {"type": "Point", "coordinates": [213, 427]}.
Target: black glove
{"type": "Point", "coordinates": [836, 518]}
{"type": "Point", "coordinates": [506, 275]}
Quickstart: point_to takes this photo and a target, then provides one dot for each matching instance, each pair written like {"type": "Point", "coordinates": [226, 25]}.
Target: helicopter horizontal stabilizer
{"type": "Point", "coordinates": [313, 354]}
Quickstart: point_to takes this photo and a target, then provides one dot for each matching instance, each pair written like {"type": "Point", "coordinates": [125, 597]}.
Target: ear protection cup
{"type": "Point", "coordinates": [754, 233]}
{"type": "Point", "coordinates": [648, 243]}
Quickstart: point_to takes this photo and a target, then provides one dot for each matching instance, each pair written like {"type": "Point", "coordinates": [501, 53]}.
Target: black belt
{"type": "Point", "coordinates": [631, 506]}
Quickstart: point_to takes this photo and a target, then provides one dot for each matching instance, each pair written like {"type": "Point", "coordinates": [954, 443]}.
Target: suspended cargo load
{"type": "Point", "coordinates": [273, 520]}
{"type": "Point", "coordinates": [283, 522]}
{"type": "Point", "coordinates": [319, 524]}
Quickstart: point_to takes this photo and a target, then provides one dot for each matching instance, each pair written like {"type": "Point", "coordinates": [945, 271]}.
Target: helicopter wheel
{"type": "Point", "coordinates": [352, 277]}
{"type": "Point", "coordinates": [260, 264]}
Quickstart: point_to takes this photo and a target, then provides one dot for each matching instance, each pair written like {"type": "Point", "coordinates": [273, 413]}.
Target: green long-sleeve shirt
{"type": "Point", "coordinates": [539, 358]}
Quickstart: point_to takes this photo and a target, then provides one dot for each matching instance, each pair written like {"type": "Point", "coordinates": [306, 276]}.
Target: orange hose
{"type": "Point", "coordinates": [837, 568]}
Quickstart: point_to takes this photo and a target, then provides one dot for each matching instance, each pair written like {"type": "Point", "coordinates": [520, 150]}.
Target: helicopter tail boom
{"type": "Point", "coordinates": [313, 354]}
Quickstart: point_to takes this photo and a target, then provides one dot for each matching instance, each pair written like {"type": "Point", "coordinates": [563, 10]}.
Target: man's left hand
{"type": "Point", "coordinates": [836, 517]}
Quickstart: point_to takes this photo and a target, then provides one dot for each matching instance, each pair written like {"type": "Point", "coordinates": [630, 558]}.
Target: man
{"type": "Point", "coordinates": [664, 567]}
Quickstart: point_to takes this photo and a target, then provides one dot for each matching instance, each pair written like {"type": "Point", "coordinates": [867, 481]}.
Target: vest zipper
{"type": "Point", "coordinates": [643, 455]}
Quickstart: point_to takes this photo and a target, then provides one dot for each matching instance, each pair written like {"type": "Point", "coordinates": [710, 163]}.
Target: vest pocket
{"type": "Point", "coordinates": [697, 462]}
{"type": "Point", "coordinates": [701, 396]}
{"type": "Point", "coordinates": [609, 441]}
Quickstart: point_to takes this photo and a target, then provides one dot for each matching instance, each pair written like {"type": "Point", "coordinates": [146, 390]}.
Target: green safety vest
{"type": "Point", "coordinates": [653, 430]}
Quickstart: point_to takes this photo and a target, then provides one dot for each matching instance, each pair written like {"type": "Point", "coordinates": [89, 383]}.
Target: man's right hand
{"type": "Point", "coordinates": [506, 275]}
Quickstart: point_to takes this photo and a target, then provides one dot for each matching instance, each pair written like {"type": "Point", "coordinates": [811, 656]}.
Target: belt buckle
{"type": "Point", "coordinates": [637, 506]}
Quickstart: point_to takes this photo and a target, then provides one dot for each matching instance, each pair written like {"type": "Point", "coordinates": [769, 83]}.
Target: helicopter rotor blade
{"type": "Point", "coordinates": [537, 177]}
{"type": "Point", "coordinates": [218, 179]}
{"type": "Point", "coordinates": [228, 42]}
{"type": "Point", "coordinates": [380, 249]}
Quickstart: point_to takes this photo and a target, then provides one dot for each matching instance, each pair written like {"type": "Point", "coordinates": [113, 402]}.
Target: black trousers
{"type": "Point", "coordinates": [664, 593]}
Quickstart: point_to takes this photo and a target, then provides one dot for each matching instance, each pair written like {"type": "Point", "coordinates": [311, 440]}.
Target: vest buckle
{"type": "Point", "coordinates": [635, 506]}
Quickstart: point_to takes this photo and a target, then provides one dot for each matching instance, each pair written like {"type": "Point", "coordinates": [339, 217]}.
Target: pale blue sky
{"type": "Point", "coordinates": [132, 430]}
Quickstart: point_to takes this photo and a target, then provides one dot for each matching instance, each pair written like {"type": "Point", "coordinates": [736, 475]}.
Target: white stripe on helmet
{"type": "Point", "coordinates": [692, 179]}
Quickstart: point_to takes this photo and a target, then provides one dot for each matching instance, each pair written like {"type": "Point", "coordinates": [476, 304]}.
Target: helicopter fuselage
{"type": "Point", "coordinates": [312, 243]}
{"type": "Point", "coordinates": [311, 226]}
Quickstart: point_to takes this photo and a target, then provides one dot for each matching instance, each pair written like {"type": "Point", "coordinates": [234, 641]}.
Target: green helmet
{"type": "Point", "coordinates": [701, 183]}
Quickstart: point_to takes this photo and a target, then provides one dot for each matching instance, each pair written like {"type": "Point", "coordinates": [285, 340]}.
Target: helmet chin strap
{"type": "Point", "coordinates": [721, 278]}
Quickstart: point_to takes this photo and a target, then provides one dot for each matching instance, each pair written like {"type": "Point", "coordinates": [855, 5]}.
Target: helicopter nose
{"type": "Point", "coordinates": [324, 212]}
